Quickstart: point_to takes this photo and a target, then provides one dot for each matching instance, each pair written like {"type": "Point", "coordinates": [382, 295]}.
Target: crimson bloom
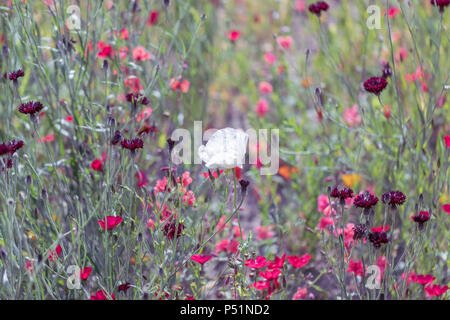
{"type": "Point", "coordinates": [111, 222]}
{"type": "Point", "coordinates": [440, 3]}
{"type": "Point", "coordinates": [11, 147]}
{"type": "Point", "coordinates": [270, 274]}
{"type": "Point", "coordinates": [435, 290]}
{"type": "Point", "coordinates": [132, 144]}
{"type": "Point", "coordinates": [85, 272]}
{"type": "Point", "coordinates": [97, 165]}
{"type": "Point", "coordinates": [365, 200]}
{"type": "Point", "coordinates": [393, 198]}
{"type": "Point", "coordinates": [342, 194]}
{"type": "Point", "coordinates": [14, 75]}
{"type": "Point", "coordinates": [446, 208]}
{"type": "Point", "coordinates": [375, 85]}
{"type": "Point", "coordinates": [55, 253]}
{"type": "Point", "coordinates": [447, 141]}
{"type": "Point", "coordinates": [378, 238]}
{"type": "Point", "coordinates": [152, 18]}
{"type": "Point", "coordinates": [318, 7]}
{"type": "Point", "coordinates": [233, 35]}
{"type": "Point", "coordinates": [355, 267]}
{"type": "Point", "coordinates": [201, 258]}
{"type": "Point", "coordinates": [298, 262]}
{"type": "Point", "coordinates": [31, 107]}
{"type": "Point", "coordinates": [124, 287]}
{"type": "Point", "coordinates": [277, 263]}
{"type": "Point", "coordinates": [421, 218]}
{"type": "Point", "coordinates": [424, 279]}
{"type": "Point", "coordinates": [258, 263]}
{"type": "Point", "coordinates": [101, 295]}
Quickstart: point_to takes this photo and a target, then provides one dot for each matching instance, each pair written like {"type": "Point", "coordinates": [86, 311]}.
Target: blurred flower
{"type": "Point", "coordinates": [124, 287]}
{"type": "Point", "coordinates": [375, 85]}
{"type": "Point", "coordinates": [351, 180]}
{"type": "Point", "coordinates": [387, 111]}
{"type": "Point", "coordinates": [359, 231]}
{"type": "Point", "coordinates": [101, 295]}
{"type": "Point", "coordinates": [447, 141]}
{"type": "Point", "coordinates": [355, 267]}
{"type": "Point", "coordinates": [258, 263]}
{"type": "Point", "coordinates": [201, 258]}
{"type": "Point", "coordinates": [105, 50]}
{"type": "Point", "coordinates": [318, 7]}
{"type": "Point", "coordinates": [15, 75]}
{"type": "Point", "coordinates": [152, 18]}
{"type": "Point", "coordinates": [435, 290]}
{"type": "Point", "coordinates": [85, 272]}
{"type": "Point", "coordinates": [229, 246]}
{"type": "Point", "coordinates": [97, 165]}
{"type": "Point", "coordinates": [141, 54]}
{"type": "Point", "coordinates": [300, 294]}
{"type": "Point", "coordinates": [421, 218]}
{"type": "Point", "coordinates": [424, 279]}
{"type": "Point", "coordinates": [132, 144]}
{"type": "Point", "coordinates": [446, 208]}
{"type": "Point", "coordinates": [111, 222]}
{"type": "Point", "coordinates": [387, 71]}
{"type": "Point", "coordinates": [298, 262]}
{"type": "Point", "coordinates": [341, 193]}
{"type": "Point", "coordinates": [264, 232]}
{"type": "Point", "coordinates": [269, 58]}
{"type": "Point", "coordinates": [285, 42]}
{"type": "Point", "coordinates": [233, 35]}
{"type": "Point", "coordinates": [393, 11]}
{"type": "Point", "coordinates": [142, 179]}
{"type": "Point", "coordinates": [31, 107]}
{"type": "Point", "coordinates": [378, 238]}
{"type": "Point", "coordinates": [262, 107]}
{"type": "Point", "coordinates": [352, 117]}
{"type": "Point", "coordinates": [179, 85]}
{"type": "Point", "coordinates": [325, 222]}
{"type": "Point", "coordinates": [301, 6]}
{"type": "Point", "coordinates": [55, 253]}
{"type": "Point", "coordinates": [225, 149]}
{"type": "Point", "coordinates": [441, 4]}
{"type": "Point", "coordinates": [265, 87]}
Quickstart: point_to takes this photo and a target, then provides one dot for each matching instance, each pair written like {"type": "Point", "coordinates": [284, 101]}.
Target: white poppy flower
{"type": "Point", "coordinates": [225, 149]}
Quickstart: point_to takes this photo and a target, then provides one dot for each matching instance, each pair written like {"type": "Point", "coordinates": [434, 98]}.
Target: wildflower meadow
{"type": "Point", "coordinates": [224, 150]}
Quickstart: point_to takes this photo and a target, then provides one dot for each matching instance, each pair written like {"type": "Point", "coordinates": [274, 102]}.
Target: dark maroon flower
{"type": "Point", "coordinates": [375, 85]}
{"type": "Point", "coordinates": [393, 198]}
{"type": "Point", "coordinates": [421, 218]}
{"type": "Point", "coordinates": [31, 107]}
{"type": "Point", "coordinates": [14, 145]}
{"type": "Point", "coordinates": [132, 144]}
{"type": "Point", "coordinates": [318, 7]}
{"type": "Point", "coordinates": [244, 185]}
{"type": "Point", "coordinates": [171, 230]}
{"type": "Point", "coordinates": [359, 231]}
{"type": "Point", "coordinates": [378, 238]}
{"type": "Point", "coordinates": [117, 137]}
{"type": "Point", "coordinates": [137, 98]}
{"type": "Point", "coordinates": [365, 200]}
{"type": "Point", "coordinates": [440, 3]}
{"type": "Point", "coordinates": [124, 287]}
{"type": "Point", "coordinates": [342, 194]}
{"type": "Point", "coordinates": [387, 71]}
{"type": "Point", "coordinates": [14, 75]}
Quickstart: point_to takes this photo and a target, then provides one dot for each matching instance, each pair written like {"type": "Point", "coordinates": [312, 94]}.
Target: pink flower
{"type": "Point", "coordinates": [141, 54]}
{"type": "Point", "coordinates": [298, 262]}
{"type": "Point", "coordinates": [264, 232]}
{"type": "Point", "coordinates": [265, 87]}
{"type": "Point", "coordinates": [189, 198]}
{"type": "Point", "coordinates": [355, 267]}
{"type": "Point", "coordinates": [97, 165]}
{"type": "Point", "coordinates": [301, 6]}
{"type": "Point", "coordinates": [435, 290]}
{"type": "Point", "coordinates": [85, 272]}
{"type": "Point", "coordinates": [105, 50]}
{"type": "Point", "coordinates": [160, 186]}
{"type": "Point", "coordinates": [269, 58]}
{"type": "Point", "coordinates": [111, 222]}
{"type": "Point", "coordinates": [322, 202]}
{"type": "Point", "coordinates": [201, 258]}
{"type": "Point", "coordinates": [300, 294]}
{"type": "Point", "coordinates": [446, 208]}
{"type": "Point", "coordinates": [229, 246]}
{"type": "Point", "coordinates": [101, 295]}
{"type": "Point", "coordinates": [233, 35]}
{"type": "Point", "coordinates": [447, 141]}
{"type": "Point", "coordinates": [262, 108]}
{"type": "Point", "coordinates": [258, 263]}
{"type": "Point", "coordinates": [124, 34]}
{"type": "Point", "coordinates": [186, 178]}
{"type": "Point", "coordinates": [179, 85]}
{"type": "Point", "coordinates": [325, 222]}
{"type": "Point", "coordinates": [152, 18]}
{"type": "Point", "coordinates": [285, 42]}
{"type": "Point", "coordinates": [352, 117]}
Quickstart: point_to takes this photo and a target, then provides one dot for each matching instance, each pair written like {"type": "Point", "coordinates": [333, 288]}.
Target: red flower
{"type": "Point", "coordinates": [14, 75]}
{"type": "Point", "coordinates": [261, 285]}
{"type": "Point", "coordinates": [238, 173]}
{"type": "Point", "coordinates": [300, 294]}
{"type": "Point", "coordinates": [342, 194]}
{"type": "Point", "coordinates": [55, 253]}
{"type": "Point", "coordinates": [101, 295]}
{"type": "Point", "coordinates": [393, 198]}
{"type": "Point", "coordinates": [233, 35]}
{"type": "Point", "coordinates": [258, 263]}
{"type": "Point", "coordinates": [375, 85]}
{"type": "Point", "coordinates": [142, 179]}
{"type": "Point", "coordinates": [105, 50]}
{"type": "Point", "coordinates": [298, 262]}
{"type": "Point", "coordinates": [382, 228]}
{"type": "Point", "coordinates": [440, 3]}
{"type": "Point", "coordinates": [132, 144]}
{"type": "Point", "coordinates": [447, 141]}
{"type": "Point", "coordinates": [424, 279]}
{"type": "Point", "coordinates": [277, 263]}
{"type": "Point", "coordinates": [270, 274]}
{"type": "Point", "coordinates": [85, 272]}
{"type": "Point", "coordinates": [421, 218]}
{"type": "Point", "coordinates": [179, 85]}
{"type": "Point", "coordinates": [140, 54]}
{"type": "Point", "coordinates": [201, 258]}
{"type": "Point", "coordinates": [111, 222]}
{"type": "Point", "coordinates": [435, 290]}
{"type": "Point", "coordinates": [355, 267]}
{"type": "Point", "coordinates": [97, 165]}
{"type": "Point", "coordinates": [365, 200]}
{"type": "Point", "coordinates": [446, 208]}
{"type": "Point", "coordinates": [318, 7]}
{"type": "Point", "coordinates": [214, 174]}
{"type": "Point", "coordinates": [152, 18]}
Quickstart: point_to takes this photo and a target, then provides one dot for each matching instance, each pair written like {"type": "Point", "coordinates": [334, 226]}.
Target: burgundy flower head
{"type": "Point", "coordinates": [31, 107]}
{"type": "Point", "coordinates": [365, 200]}
{"type": "Point", "coordinates": [393, 198]}
{"type": "Point", "coordinates": [117, 137]}
{"type": "Point", "coordinates": [378, 238]}
{"type": "Point", "coordinates": [441, 4]}
{"type": "Point", "coordinates": [137, 98]}
{"type": "Point", "coordinates": [359, 231]}
{"type": "Point", "coordinates": [132, 144]}
{"type": "Point", "coordinates": [318, 7]}
{"type": "Point", "coordinates": [375, 85]}
{"type": "Point", "coordinates": [421, 218]}
{"type": "Point", "coordinates": [14, 75]}
{"type": "Point", "coordinates": [387, 71]}
{"type": "Point", "coordinates": [342, 194]}
{"type": "Point", "coordinates": [171, 230]}
{"type": "Point", "coordinates": [11, 147]}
